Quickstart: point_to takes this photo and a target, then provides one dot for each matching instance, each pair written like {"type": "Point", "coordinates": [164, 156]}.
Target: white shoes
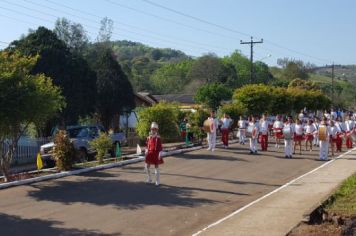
{"type": "Point", "coordinates": [213, 149]}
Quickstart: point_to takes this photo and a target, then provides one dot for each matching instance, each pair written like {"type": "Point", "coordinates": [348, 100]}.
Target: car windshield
{"type": "Point", "coordinates": [78, 132]}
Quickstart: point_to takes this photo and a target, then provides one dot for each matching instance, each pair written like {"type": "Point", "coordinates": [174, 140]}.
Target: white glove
{"type": "Point", "coordinates": [146, 151]}
{"type": "Point", "coordinates": [160, 155]}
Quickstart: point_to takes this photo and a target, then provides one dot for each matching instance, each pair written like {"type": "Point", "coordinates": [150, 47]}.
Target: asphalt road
{"type": "Point", "coordinates": [197, 189]}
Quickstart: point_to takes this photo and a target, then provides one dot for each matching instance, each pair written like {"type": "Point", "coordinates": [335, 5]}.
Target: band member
{"type": "Point", "coordinates": [309, 135]}
{"type": "Point", "coordinates": [277, 130]}
{"type": "Point", "coordinates": [183, 128]}
{"type": "Point", "coordinates": [298, 136]}
{"type": "Point", "coordinates": [349, 127]}
{"type": "Point", "coordinates": [316, 136]}
{"type": "Point", "coordinates": [242, 130]}
{"type": "Point", "coordinates": [288, 132]}
{"type": "Point", "coordinates": [211, 136]}
{"type": "Point", "coordinates": [324, 133]}
{"type": "Point", "coordinates": [264, 132]}
{"type": "Point", "coordinates": [334, 131]}
{"type": "Point", "coordinates": [253, 126]}
{"type": "Point", "coordinates": [340, 126]}
{"type": "Point", "coordinates": [225, 126]}
{"type": "Point", "coordinates": [153, 153]}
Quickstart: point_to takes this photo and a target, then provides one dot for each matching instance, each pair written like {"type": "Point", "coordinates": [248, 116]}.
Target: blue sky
{"type": "Point", "coordinates": [316, 31]}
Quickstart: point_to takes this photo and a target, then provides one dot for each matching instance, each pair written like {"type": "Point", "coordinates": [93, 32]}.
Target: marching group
{"type": "Point", "coordinates": [327, 131]}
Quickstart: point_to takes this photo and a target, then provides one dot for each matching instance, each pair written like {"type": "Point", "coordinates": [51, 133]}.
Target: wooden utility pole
{"type": "Point", "coordinates": [252, 75]}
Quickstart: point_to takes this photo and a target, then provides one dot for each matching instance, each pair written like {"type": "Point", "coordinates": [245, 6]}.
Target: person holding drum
{"type": "Point", "coordinates": [252, 133]}
{"type": "Point", "coordinates": [277, 130]}
{"type": "Point", "coordinates": [242, 130]}
{"type": "Point", "coordinates": [153, 153]}
{"type": "Point", "coordinates": [288, 131]}
{"type": "Point", "coordinates": [226, 122]}
{"type": "Point", "coordinates": [211, 134]}
{"type": "Point", "coordinates": [309, 135]}
{"type": "Point", "coordinates": [324, 133]}
{"type": "Point", "coordinates": [264, 132]}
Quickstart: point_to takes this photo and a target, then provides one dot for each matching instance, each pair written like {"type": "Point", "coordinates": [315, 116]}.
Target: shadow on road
{"type": "Point", "coordinates": [123, 194]}
{"type": "Point", "coordinates": [14, 225]}
{"type": "Point", "coordinates": [209, 156]}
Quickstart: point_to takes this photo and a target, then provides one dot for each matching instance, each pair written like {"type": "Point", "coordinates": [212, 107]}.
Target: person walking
{"type": "Point", "coordinates": [153, 153]}
{"type": "Point", "coordinates": [225, 126]}
{"type": "Point", "coordinates": [211, 135]}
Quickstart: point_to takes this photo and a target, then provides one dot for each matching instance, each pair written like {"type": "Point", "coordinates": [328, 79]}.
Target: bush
{"type": "Point", "coordinates": [64, 151]}
{"type": "Point", "coordinates": [196, 121]}
{"type": "Point", "coordinates": [101, 144]}
{"type": "Point", "coordinates": [166, 116]}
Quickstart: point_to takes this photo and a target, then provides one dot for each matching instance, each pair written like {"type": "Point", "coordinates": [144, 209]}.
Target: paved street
{"type": "Point", "coordinates": [197, 189]}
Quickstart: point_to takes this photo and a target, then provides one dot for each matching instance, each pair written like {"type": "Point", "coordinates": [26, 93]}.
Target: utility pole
{"type": "Point", "coordinates": [251, 56]}
{"type": "Point", "coordinates": [332, 83]}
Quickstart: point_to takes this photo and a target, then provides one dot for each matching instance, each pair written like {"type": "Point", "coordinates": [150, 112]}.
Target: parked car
{"type": "Point", "coordinates": [80, 136]}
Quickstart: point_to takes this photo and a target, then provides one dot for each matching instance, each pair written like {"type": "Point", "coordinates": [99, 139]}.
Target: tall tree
{"type": "Point", "coordinates": [72, 34]}
{"type": "Point", "coordinates": [106, 29]}
{"type": "Point", "coordinates": [211, 95]}
{"type": "Point", "coordinates": [114, 91]}
{"type": "Point", "coordinates": [24, 99]}
{"type": "Point", "coordinates": [70, 72]}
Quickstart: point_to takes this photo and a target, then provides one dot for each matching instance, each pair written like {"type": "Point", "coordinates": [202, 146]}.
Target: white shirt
{"type": "Point", "coordinates": [264, 126]}
{"type": "Point", "coordinates": [309, 129]}
{"type": "Point", "coordinates": [333, 130]}
{"type": "Point", "coordinates": [299, 129]}
{"type": "Point", "coordinates": [225, 123]}
{"type": "Point", "coordinates": [278, 124]}
{"type": "Point", "coordinates": [242, 124]}
{"type": "Point", "coordinates": [215, 123]}
{"type": "Point", "coordinates": [349, 125]}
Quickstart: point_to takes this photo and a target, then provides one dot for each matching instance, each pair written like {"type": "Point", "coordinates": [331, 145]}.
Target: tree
{"type": "Point", "coordinates": [303, 84]}
{"type": "Point", "coordinates": [171, 78]}
{"type": "Point", "coordinates": [262, 74]}
{"type": "Point", "coordinates": [212, 95]}
{"type": "Point", "coordinates": [114, 91]}
{"type": "Point", "coordinates": [254, 98]}
{"type": "Point", "coordinates": [72, 34]}
{"type": "Point", "coordinates": [24, 99]}
{"type": "Point", "coordinates": [70, 72]}
{"type": "Point", "coordinates": [105, 31]}
{"type": "Point", "coordinates": [166, 116]}
{"type": "Point", "coordinates": [294, 70]}
{"type": "Point", "coordinates": [242, 67]}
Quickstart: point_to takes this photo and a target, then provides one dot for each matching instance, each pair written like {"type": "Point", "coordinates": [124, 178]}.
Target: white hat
{"type": "Point", "coordinates": [154, 125]}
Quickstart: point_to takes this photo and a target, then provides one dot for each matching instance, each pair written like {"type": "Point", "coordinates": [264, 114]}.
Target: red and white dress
{"type": "Point", "coordinates": [309, 132]}
{"type": "Point", "coordinates": [154, 147]}
{"type": "Point", "coordinates": [277, 129]}
{"type": "Point", "coordinates": [298, 135]}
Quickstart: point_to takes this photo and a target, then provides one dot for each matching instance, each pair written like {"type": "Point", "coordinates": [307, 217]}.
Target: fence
{"type": "Point", "coordinates": [27, 149]}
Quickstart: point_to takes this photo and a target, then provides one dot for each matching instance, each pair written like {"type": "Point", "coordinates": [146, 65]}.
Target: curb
{"type": "Point", "coordinates": [95, 168]}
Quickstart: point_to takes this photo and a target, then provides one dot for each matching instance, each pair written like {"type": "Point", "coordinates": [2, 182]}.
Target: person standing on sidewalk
{"type": "Point", "coordinates": [153, 153]}
{"type": "Point", "coordinates": [211, 136]}
{"type": "Point", "coordinates": [264, 132]}
{"type": "Point", "coordinates": [225, 127]}
{"type": "Point", "coordinates": [349, 127]}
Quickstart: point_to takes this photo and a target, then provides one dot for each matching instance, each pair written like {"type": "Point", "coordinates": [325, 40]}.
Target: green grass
{"type": "Point", "coordinates": [344, 199]}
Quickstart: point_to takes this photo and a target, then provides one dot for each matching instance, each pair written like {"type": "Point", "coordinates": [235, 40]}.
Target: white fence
{"type": "Point", "coordinates": [27, 149]}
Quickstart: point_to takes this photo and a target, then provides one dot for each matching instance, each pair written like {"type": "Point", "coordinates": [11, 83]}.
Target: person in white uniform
{"type": "Point", "coordinates": [211, 136]}
{"type": "Point", "coordinates": [288, 132]}
{"type": "Point", "coordinates": [242, 130]}
{"type": "Point", "coordinates": [324, 133]}
{"type": "Point", "coordinates": [254, 136]}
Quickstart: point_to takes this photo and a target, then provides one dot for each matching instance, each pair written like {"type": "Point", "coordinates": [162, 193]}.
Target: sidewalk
{"type": "Point", "coordinates": [281, 210]}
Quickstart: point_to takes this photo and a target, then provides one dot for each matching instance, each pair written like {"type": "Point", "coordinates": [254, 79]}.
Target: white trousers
{"type": "Point", "coordinates": [212, 140]}
{"type": "Point", "coordinates": [316, 140]}
{"type": "Point", "coordinates": [253, 144]}
{"type": "Point", "coordinates": [288, 150]}
{"type": "Point", "coordinates": [324, 150]}
{"type": "Point", "coordinates": [241, 137]}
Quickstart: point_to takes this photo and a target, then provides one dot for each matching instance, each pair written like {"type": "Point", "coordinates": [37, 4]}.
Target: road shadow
{"type": "Point", "coordinates": [208, 156]}
{"type": "Point", "coordinates": [15, 226]}
{"type": "Point", "coordinates": [123, 194]}
{"type": "Point", "coordinates": [97, 174]}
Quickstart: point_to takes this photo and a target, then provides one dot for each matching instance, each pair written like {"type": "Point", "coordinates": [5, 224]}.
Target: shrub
{"type": "Point", "coordinates": [196, 120]}
{"type": "Point", "coordinates": [166, 116]}
{"type": "Point", "coordinates": [63, 151]}
{"type": "Point", "coordinates": [101, 144]}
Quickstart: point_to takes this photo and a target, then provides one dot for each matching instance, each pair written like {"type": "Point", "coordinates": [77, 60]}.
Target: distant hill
{"type": "Point", "coordinates": [341, 72]}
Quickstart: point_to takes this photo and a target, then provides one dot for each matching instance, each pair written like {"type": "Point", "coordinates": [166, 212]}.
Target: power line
{"type": "Point", "coordinates": [229, 29]}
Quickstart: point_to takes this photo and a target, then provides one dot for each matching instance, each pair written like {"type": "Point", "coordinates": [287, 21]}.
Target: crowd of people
{"type": "Point", "coordinates": [328, 130]}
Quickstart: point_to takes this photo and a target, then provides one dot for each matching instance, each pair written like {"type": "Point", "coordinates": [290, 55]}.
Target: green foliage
{"type": "Point", "coordinates": [281, 101]}
{"type": "Point", "coordinates": [303, 84]}
{"type": "Point", "coordinates": [166, 116]}
{"type": "Point", "coordinates": [69, 72]}
{"type": "Point", "coordinates": [242, 66]}
{"type": "Point", "coordinates": [294, 70]}
{"type": "Point", "coordinates": [212, 95]}
{"type": "Point", "coordinates": [196, 120]}
{"type": "Point", "coordinates": [101, 145]}
{"type": "Point", "coordinates": [114, 91]}
{"type": "Point", "coordinates": [254, 98]}
{"type": "Point", "coordinates": [25, 99]}
{"type": "Point", "coordinates": [64, 151]}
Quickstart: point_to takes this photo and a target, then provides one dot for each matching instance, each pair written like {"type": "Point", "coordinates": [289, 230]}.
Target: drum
{"type": "Point", "coordinates": [287, 133]}
{"type": "Point", "coordinates": [249, 131]}
{"type": "Point", "coordinates": [207, 125]}
{"type": "Point", "coordinates": [322, 133]}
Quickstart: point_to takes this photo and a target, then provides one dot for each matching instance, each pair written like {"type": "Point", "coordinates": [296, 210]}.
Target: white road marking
{"type": "Point", "coordinates": [269, 194]}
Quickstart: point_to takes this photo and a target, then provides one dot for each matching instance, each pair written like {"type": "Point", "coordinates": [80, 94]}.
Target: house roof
{"type": "Point", "coordinates": [180, 98]}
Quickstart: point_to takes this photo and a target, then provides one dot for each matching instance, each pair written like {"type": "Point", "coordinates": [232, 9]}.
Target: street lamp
{"type": "Point", "coordinates": [268, 55]}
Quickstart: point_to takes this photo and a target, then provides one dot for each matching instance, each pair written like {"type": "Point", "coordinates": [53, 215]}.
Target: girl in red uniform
{"type": "Point", "coordinates": [153, 153]}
